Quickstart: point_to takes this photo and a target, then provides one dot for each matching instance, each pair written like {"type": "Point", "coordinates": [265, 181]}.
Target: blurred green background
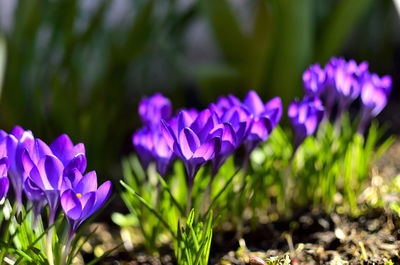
{"type": "Point", "coordinates": [81, 66]}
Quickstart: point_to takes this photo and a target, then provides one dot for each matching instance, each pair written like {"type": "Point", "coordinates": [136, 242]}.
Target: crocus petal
{"type": "Point", "coordinates": [155, 108]}
{"type": "Point", "coordinates": [184, 120]}
{"type": "Point", "coordinates": [188, 142]}
{"type": "Point", "coordinates": [71, 205]}
{"type": "Point", "coordinates": [4, 185]}
{"type": "Point", "coordinates": [41, 182]}
{"type": "Point", "coordinates": [168, 134]}
{"type": "Point", "coordinates": [17, 131]}
{"type": "Point", "coordinates": [54, 171]}
{"type": "Point", "coordinates": [63, 148]}
{"type": "Point", "coordinates": [293, 109]}
{"type": "Point", "coordinates": [79, 162]}
{"type": "Point", "coordinates": [102, 194]}
{"type": "Point", "coordinates": [60, 145]}
{"type": "Point", "coordinates": [88, 183]}
{"type": "Point", "coordinates": [32, 191]}
{"type": "Point", "coordinates": [207, 150]}
{"type": "Point", "coordinates": [254, 103]}
{"type": "Point", "coordinates": [12, 143]}
{"type": "Point", "coordinates": [273, 109]}
{"type": "Point", "coordinates": [203, 124]}
{"type": "Point", "coordinates": [26, 143]}
{"type": "Point", "coordinates": [27, 162]}
{"type": "Point", "coordinates": [261, 128]}
{"type": "Point", "coordinates": [88, 201]}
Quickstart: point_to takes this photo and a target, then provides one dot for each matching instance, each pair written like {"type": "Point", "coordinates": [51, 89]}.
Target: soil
{"type": "Point", "coordinates": [310, 237]}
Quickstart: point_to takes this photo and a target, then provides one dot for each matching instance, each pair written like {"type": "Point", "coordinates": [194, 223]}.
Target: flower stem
{"type": "Point", "coordinates": [189, 199]}
{"type": "Point", "coordinates": [67, 246]}
{"type": "Point", "coordinates": [50, 256]}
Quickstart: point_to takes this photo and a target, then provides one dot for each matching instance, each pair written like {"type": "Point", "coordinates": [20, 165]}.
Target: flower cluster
{"type": "Point", "coordinates": [50, 175]}
{"type": "Point", "coordinates": [196, 138]}
{"type": "Point", "coordinates": [339, 84]}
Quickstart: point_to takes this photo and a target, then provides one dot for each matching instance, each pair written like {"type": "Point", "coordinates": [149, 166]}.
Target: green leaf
{"type": "Point", "coordinates": [105, 254]}
{"type": "Point", "coordinates": [149, 207]}
{"type": "Point", "coordinates": [210, 208]}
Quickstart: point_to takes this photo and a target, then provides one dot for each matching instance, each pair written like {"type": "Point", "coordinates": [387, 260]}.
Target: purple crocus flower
{"type": "Point", "coordinates": [72, 156]}
{"type": "Point", "coordinates": [192, 140]}
{"type": "Point", "coordinates": [4, 183]}
{"type": "Point", "coordinates": [314, 79]}
{"type": "Point", "coordinates": [17, 141]}
{"type": "Point", "coordinates": [45, 175]}
{"type": "Point", "coordinates": [30, 158]}
{"type": "Point", "coordinates": [374, 95]}
{"type": "Point", "coordinates": [162, 153]}
{"type": "Point", "coordinates": [155, 108]}
{"type": "Point", "coordinates": [265, 118]}
{"type": "Point", "coordinates": [344, 81]}
{"type": "Point", "coordinates": [234, 128]}
{"type": "Point", "coordinates": [150, 145]}
{"type": "Point", "coordinates": [143, 143]}
{"type": "Point", "coordinates": [347, 86]}
{"type": "Point", "coordinates": [80, 199]}
{"type": "Point", "coordinates": [305, 117]}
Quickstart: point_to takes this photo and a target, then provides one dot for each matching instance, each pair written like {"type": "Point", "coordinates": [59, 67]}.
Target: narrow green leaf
{"type": "Point", "coordinates": [149, 207]}
{"type": "Point", "coordinates": [174, 201]}
{"type": "Point", "coordinates": [220, 193]}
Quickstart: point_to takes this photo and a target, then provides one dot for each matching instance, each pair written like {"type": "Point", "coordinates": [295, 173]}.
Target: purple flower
{"type": "Point", "coordinates": [192, 140]}
{"type": "Point", "coordinates": [4, 183]}
{"type": "Point", "coordinates": [17, 141]}
{"type": "Point", "coordinates": [162, 153]}
{"type": "Point", "coordinates": [150, 145]}
{"type": "Point", "coordinates": [228, 141]}
{"type": "Point", "coordinates": [72, 156]}
{"type": "Point", "coordinates": [305, 117]}
{"type": "Point", "coordinates": [29, 158]}
{"type": "Point", "coordinates": [155, 108]}
{"type": "Point", "coordinates": [314, 79]}
{"type": "Point", "coordinates": [82, 198]}
{"type": "Point", "coordinates": [46, 175]}
{"type": "Point", "coordinates": [374, 95]}
{"type": "Point", "coordinates": [265, 118]}
{"type": "Point", "coordinates": [143, 143]}
{"type": "Point", "coordinates": [344, 81]}
{"type": "Point", "coordinates": [233, 130]}
{"type": "Point", "coordinates": [347, 86]}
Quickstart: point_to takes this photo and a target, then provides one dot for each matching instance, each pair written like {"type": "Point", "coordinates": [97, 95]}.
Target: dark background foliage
{"type": "Point", "coordinates": [81, 66]}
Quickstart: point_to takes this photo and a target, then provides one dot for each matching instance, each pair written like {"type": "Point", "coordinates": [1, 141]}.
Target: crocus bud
{"type": "Point", "coordinates": [374, 96]}
{"type": "Point", "coordinates": [314, 79]}
{"type": "Point", "coordinates": [265, 117]}
{"type": "Point", "coordinates": [155, 108]}
{"type": "Point", "coordinates": [192, 140]}
{"type": "Point", "coordinates": [305, 117]}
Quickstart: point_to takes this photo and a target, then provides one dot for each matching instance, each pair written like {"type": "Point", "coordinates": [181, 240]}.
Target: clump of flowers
{"type": "Point", "coordinates": [341, 82]}
{"type": "Point", "coordinates": [305, 117]}
{"type": "Point", "coordinates": [50, 175]}
{"type": "Point", "coordinates": [212, 134]}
